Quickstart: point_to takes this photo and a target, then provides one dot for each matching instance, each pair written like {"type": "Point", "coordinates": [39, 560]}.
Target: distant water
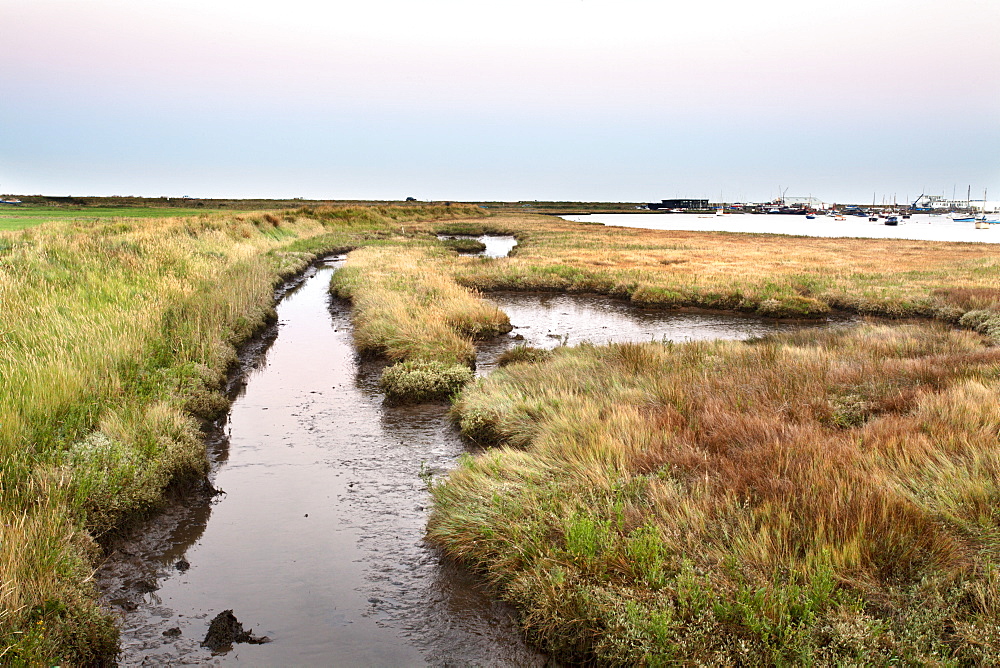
{"type": "Point", "coordinates": [921, 226]}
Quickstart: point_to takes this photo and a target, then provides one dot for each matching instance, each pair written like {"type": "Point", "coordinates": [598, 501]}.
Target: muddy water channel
{"type": "Point", "coordinates": [316, 541]}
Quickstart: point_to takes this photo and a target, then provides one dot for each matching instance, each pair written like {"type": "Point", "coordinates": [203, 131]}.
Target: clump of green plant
{"type": "Point", "coordinates": [523, 354]}
{"type": "Point", "coordinates": [461, 245]}
{"type": "Point", "coordinates": [414, 381]}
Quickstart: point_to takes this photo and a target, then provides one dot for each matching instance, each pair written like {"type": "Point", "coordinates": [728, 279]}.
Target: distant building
{"type": "Point", "coordinates": [680, 204]}
{"type": "Point", "coordinates": [939, 203]}
{"type": "Point", "coordinates": [810, 202]}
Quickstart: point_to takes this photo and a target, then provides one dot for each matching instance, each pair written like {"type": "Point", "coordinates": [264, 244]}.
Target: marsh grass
{"type": "Point", "coordinates": [115, 336]}
{"type": "Point", "coordinates": [522, 353]}
{"type": "Point", "coordinates": [823, 497]}
{"type": "Point", "coordinates": [406, 307]}
{"type": "Point", "coordinates": [814, 498]}
{"type": "Point", "coordinates": [465, 245]}
{"type": "Point", "coordinates": [772, 275]}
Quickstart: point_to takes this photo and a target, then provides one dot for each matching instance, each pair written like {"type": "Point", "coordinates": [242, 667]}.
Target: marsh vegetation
{"type": "Point", "coordinates": [810, 497]}
{"type": "Point", "coordinates": [116, 340]}
{"type": "Point", "coordinates": [819, 497]}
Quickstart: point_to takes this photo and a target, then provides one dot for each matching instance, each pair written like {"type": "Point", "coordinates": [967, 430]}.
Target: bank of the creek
{"type": "Point", "coordinates": [317, 540]}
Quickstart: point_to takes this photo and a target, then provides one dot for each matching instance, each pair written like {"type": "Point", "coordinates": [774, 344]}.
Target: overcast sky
{"type": "Point", "coordinates": [616, 100]}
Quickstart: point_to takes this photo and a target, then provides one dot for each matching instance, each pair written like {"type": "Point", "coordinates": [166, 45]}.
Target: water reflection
{"type": "Point", "coordinates": [497, 245]}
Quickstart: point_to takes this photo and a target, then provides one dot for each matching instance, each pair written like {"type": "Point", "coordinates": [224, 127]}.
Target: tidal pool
{"type": "Point", "coordinates": [497, 245]}
{"type": "Point", "coordinates": [549, 319]}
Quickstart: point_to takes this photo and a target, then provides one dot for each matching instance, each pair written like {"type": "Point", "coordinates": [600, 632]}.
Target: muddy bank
{"type": "Point", "coordinates": [316, 542]}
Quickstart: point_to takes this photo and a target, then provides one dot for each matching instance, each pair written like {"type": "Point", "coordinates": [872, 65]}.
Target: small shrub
{"type": "Point", "coordinates": [523, 354]}
{"type": "Point", "coordinates": [416, 380]}
{"type": "Point", "coordinates": [586, 537]}
{"type": "Point", "coordinates": [465, 245]}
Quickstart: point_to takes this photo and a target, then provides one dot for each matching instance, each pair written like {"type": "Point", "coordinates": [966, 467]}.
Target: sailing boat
{"type": "Point", "coordinates": [982, 222]}
{"type": "Point", "coordinates": [969, 217]}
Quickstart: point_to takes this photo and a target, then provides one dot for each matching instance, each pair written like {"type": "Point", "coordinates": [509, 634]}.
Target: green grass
{"type": "Point", "coordinates": [20, 217]}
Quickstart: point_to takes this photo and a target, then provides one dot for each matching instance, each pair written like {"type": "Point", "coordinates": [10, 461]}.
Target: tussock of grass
{"type": "Point", "coordinates": [822, 497]}
{"type": "Point", "coordinates": [419, 380]}
{"type": "Point", "coordinates": [519, 354]}
{"type": "Point", "coordinates": [464, 245]}
{"type": "Point", "coordinates": [114, 336]}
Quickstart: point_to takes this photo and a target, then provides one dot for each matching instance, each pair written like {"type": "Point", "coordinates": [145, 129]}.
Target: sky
{"type": "Point", "coordinates": [587, 100]}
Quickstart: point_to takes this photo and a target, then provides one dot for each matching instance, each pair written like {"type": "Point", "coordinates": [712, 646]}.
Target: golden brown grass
{"type": "Point", "coordinates": [771, 274]}
{"type": "Point", "coordinates": [407, 307]}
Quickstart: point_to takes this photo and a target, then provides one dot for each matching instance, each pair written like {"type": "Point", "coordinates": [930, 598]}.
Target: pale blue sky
{"type": "Point", "coordinates": [551, 99]}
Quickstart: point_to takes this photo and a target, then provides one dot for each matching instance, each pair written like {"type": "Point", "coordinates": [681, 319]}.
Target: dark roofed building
{"type": "Point", "coordinates": [680, 204]}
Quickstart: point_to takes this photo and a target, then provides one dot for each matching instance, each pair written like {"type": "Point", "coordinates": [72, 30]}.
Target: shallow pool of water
{"type": "Point", "coordinates": [497, 245]}
{"type": "Point", "coordinates": [545, 320]}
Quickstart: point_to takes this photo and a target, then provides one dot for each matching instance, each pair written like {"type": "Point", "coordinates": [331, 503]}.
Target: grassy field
{"type": "Point", "coordinates": [18, 218]}
{"type": "Point", "coordinates": [828, 497]}
{"type": "Point", "coordinates": [116, 338]}
{"type": "Point", "coordinates": [37, 209]}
